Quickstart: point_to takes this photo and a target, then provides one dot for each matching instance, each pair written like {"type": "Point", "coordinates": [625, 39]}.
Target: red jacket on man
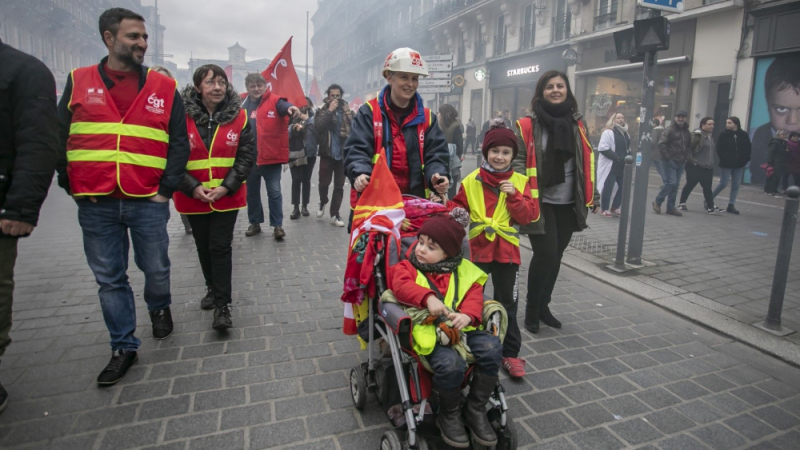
{"type": "Point", "coordinates": [272, 131]}
{"type": "Point", "coordinates": [403, 282]}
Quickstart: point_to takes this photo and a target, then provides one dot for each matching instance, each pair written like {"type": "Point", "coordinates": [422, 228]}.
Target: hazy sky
{"type": "Point", "coordinates": [206, 28]}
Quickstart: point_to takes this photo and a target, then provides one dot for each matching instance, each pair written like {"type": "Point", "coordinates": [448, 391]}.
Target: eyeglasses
{"type": "Point", "coordinates": [336, 95]}
{"type": "Point", "coordinates": [212, 83]}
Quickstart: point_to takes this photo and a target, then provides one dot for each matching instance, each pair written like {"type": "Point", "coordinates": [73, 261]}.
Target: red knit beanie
{"type": "Point", "coordinates": [446, 232]}
{"type": "Point", "coordinates": [497, 135]}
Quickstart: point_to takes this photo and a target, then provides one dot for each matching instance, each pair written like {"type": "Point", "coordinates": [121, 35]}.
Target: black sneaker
{"type": "Point", "coordinates": [3, 398]}
{"type": "Point", "coordinates": [116, 368]}
{"type": "Point", "coordinates": [731, 209]}
{"type": "Point", "coordinates": [207, 302]}
{"type": "Point", "coordinates": [683, 207]}
{"type": "Point", "coordinates": [222, 318]}
{"type": "Point", "coordinates": [162, 323]}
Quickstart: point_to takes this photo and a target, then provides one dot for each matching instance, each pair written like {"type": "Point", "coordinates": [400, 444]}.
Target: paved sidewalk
{"type": "Point", "coordinates": [622, 373]}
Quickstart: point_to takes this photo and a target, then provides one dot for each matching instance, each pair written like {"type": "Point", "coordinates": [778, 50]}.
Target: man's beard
{"type": "Point", "coordinates": [126, 56]}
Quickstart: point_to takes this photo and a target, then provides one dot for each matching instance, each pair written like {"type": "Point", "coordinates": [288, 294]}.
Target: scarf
{"type": "Point", "coordinates": [622, 128]}
{"type": "Point", "coordinates": [447, 265]}
{"type": "Point", "coordinates": [557, 120]}
{"type": "Point", "coordinates": [487, 167]}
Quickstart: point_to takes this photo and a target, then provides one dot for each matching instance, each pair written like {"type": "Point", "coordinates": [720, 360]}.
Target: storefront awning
{"type": "Point", "coordinates": [661, 62]}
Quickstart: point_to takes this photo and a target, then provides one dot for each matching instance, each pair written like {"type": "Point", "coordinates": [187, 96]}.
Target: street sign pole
{"type": "Point", "coordinates": [646, 148]}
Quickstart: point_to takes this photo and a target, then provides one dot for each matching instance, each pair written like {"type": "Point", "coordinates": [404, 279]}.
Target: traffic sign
{"type": "Point", "coordinates": [651, 34]}
{"type": "Point", "coordinates": [675, 6]}
{"type": "Point", "coordinates": [440, 66]}
{"type": "Point", "coordinates": [435, 90]}
{"type": "Point", "coordinates": [430, 58]}
{"type": "Point", "coordinates": [435, 82]}
{"type": "Point", "coordinates": [441, 75]}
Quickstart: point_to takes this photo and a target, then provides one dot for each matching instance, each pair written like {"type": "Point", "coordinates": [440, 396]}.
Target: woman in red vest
{"type": "Point", "coordinates": [416, 150]}
{"type": "Point", "coordinates": [560, 164]}
{"type": "Point", "coordinates": [222, 155]}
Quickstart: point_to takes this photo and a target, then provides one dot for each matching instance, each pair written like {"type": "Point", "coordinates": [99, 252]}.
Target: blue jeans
{"type": "Point", "coordinates": [449, 368]}
{"type": "Point", "coordinates": [735, 175]}
{"type": "Point", "coordinates": [272, 178]}
{"type": "Point", "coordinates": [673, 172]}
{"type": "Point", "coordinates": [659, 167]}
{"type": "Point", "coordinates": [106, 226]}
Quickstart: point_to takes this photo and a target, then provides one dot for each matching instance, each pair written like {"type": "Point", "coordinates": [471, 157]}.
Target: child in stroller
{"type": "Point", "coordinates": [401, 378]}
{"type": "Point", "coordinates": [447, 292]}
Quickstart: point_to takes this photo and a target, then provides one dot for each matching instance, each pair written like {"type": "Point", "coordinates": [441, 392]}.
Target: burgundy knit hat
{"type": "Point", "coordinates": [446, 232]}
{"type": "Point", "coordinates": [498, 134]}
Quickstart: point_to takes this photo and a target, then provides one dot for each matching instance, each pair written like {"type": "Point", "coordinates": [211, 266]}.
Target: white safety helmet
{"type": "Point", "coordinates": [405, 60]}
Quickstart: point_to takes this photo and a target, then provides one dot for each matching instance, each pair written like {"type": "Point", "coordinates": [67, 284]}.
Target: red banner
{"type": "Point", "coordinates": [282, 78]}
{"type": "Point", "coordinates": [314, 93]}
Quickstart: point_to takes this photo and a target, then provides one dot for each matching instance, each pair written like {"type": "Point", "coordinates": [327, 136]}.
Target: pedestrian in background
{"type": "Point", "coordinates": [793, 158]}
{"type": "Point", "coordinates": [733, 148]}
{"type": "Point", "coordinates": [615, 145]}
{"type": "Point", "coordinates": [776, 162]}
{"type": "Point", "coordinates": [139, 113]}
{"type": "Point", "coordinates": [28, 149]}
{"type": "Point", "coordinates": [332, 124]}
{"type": "Point", "coordinates": [655, 137]}
{"type": "Point", "coordinates": [559, 162]}
{"type": "Point", "coordinates": [700, 166]}
{"type": "Point", "coordinates": [448, 121]}
{"type": "Point", "coordinates": [471, 141]}
{"type": "Point", "coordinates": [187, 227]}
{"type": "Point", "coordinates": [674, 145]}
{"type": "Point", "coordinates": [302, 158]}
{"type": "Point", "coordinates": [223, 153]}
{"type": "Point", "coordinates": [272, 149]}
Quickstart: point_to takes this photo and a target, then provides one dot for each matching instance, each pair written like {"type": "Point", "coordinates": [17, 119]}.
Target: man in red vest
{"type": "Point", "coordinates": [268, 114]}
{"type": "Point", "coordinates": [123, 153]}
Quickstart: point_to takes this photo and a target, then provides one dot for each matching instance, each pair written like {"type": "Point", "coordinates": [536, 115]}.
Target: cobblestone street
{"type": "Point", "coordinates": [622, 373]}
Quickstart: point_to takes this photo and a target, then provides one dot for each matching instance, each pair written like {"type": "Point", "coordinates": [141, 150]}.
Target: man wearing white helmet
{"type": "Point", "coordinates": [397, 120]}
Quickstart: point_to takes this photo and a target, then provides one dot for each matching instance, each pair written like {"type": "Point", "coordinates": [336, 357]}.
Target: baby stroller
{"type": "Point", "coordinates": [394, 372]}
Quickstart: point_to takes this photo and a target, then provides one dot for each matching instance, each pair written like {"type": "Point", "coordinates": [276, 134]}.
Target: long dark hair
{"type": "Point", "coordinates": [546, 77]}
{"type": "Point", "coordinates": [449, 115]}
{"type": "Point", "coordinates": [736, 122]}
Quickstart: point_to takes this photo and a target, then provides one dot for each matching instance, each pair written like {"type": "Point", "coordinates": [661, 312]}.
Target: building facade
{"type": "Point", "coordinates": [64, 33]}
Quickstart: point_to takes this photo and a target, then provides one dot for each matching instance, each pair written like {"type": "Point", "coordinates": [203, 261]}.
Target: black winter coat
{"type": "Point", "coordinates": [207, 126]}
{"type": "Point", "coordinates": [675, 143]}
{"type": "Point", "coordinates": [733, 148]}
{"type": "Point", "coordinates": [777, 154]}
{"type": "Point", "coordinates": [359, 148]}
{"type": "Point", "coordinates": [28, 134]}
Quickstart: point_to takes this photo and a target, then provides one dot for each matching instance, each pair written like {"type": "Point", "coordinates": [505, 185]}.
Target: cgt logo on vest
{"type": "Point", "coordinates": [233, 138]}
{"type": "Point", "coordinates": [154, 104]}
{"type": "Point", "coordinates": [270, 114]}
{"type": "Point", "coordinates": [192, 145]}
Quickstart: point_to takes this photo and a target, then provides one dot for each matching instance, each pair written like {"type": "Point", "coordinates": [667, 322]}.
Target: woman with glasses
{"type": "Point", "coordinates": [221, 158]}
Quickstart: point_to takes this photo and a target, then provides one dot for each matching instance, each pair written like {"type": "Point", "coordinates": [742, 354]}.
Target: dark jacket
{"type": "Point", "coordinates": [207, 126]}
{"type": "Point", "coordinates": [793, 157]}
{"type": "Point", "coordinates": [622, 148]}
{"type": "Point", "coordinates": [520, 161]}
{"type": "Point", "coordinates": [300, 144]}
{"type": "Point", "coordinates": [177, 153]}
{"type": "Point", "coordinates": [471, 129]}
{"type": "Point", "coordinates": [328, 127]}
{"type": "Point", "coordinates": [675, 143]}
{"type": "Point", "coordinates": [655, 135]}
{"type": "Point", "coordinates": [28, 134]}
{"type": "Point", "coordinates": [733, 148]}
{"type": "Point", "coordinates": [359, 148]}
{"type": "Point", "coordinates": [777, 154]}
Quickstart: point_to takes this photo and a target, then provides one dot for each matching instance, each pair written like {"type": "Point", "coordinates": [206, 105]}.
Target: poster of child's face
{"type": "Point", "coordinates": [776, 106]}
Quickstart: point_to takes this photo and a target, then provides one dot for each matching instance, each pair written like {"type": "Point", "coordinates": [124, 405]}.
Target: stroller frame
{"type": "Point", "coordinates": [363, 378]}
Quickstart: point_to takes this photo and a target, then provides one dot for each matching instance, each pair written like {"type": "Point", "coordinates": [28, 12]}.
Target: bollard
{"type": "Point", "coordinates": [619, 262]}
{"type": "Point", "coordinates": [772, 323]}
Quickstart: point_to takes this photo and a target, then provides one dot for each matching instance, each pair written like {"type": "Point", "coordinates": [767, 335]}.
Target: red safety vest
{"type": "Point", "coordinates": [526, 131]}
{"type": "Point", "coordinates": [106, 151]}
{"type": "Point", "coordinates": [211, 166]}
{"type": "Point", "coordinates": [273, 132]}
{"type": "Point", "coordinates": [377, 131]}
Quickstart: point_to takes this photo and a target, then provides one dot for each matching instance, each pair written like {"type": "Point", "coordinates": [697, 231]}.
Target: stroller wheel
{"type": "Point", "coordinates": [506, 439]}
{"type": "Point", "coordinates": [421, 443]}
{"type": "Point", "coordinates": [358, 387]}
{"type": "Point", "coordinates": [391, 441]}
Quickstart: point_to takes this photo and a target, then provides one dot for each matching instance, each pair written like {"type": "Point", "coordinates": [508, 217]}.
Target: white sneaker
{"type": "Point", "coordinates": [321, 210]}
{"type": "Point", "coordinates": [336, 220]}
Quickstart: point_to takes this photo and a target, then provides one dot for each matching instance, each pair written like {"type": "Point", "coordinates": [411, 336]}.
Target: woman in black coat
{"type": "Point", "coordinates": [733, 148]}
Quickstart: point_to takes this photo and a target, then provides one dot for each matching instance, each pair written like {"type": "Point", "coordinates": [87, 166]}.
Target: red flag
{"type": "Point", "coordinates": [282, 78]}
{"type": "Point", "coordinates": [314, 93]}
{"type": "Point", "coordinates": [356, 103]}
{"type": "Point", "coordinates": [229, 72]}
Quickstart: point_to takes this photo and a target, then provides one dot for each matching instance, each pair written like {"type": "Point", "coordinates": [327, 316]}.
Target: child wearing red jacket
{"type": "Point", "coordinates": [497, 199]}
{"type": "Point", "coordinates": [438, 278]}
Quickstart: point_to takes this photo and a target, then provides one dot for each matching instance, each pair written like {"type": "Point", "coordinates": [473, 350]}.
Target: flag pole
{"type": "Point", "coordinates": [307, 52]}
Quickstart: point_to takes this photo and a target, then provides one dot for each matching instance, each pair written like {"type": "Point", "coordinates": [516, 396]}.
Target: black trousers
{"type": "Point", "coordinates": [695, 175]}
{"type": "Point", "coordinates": [505, 279]}
{"type": "Point", "coordinates": [560, 222]}
{"type": "Point", "coordinates": [301, 181]}
{"type": "Point", "coordinates": [608, 187]}
{"type": "Point", "coordinates": [213, 235]}
{"type": "Point", "coordinates": [471, 141]}
{"type": "Point", "coordinates": [331, 169]}
{"type": "Point", "coordinates": [8, 258]}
